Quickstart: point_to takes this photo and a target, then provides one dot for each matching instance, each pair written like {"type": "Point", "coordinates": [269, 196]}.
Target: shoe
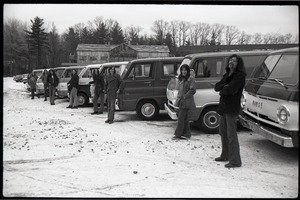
{"type": "Point", "coordinates": [52, 103]}
{"type": "Point", "coordinates": [99, 113]}
{"type": "Point", "coordinates": [184, 137]}
{"type": "Point", "coordinates": [219, 159]}
{"type": "Point", "coordinates": [74, 107]}
{"type": "Point", "coordinates": [110, 122]}
{"type": "Point", "coordinates": [106, 121]}
{"type": "Point", "coordinates": [175, 138]}
{"type": "Point", "coordinates": [69, 107]}
{"type": "Point", "coordinates": [93, 113]}
{"type": "Point", "coordinates": [229, 165]}
{"type": "Point", "coordinates": [45, 99]}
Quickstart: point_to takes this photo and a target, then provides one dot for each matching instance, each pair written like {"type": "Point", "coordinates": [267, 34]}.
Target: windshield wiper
{"type": "Point", "coordinates": [278, 81]}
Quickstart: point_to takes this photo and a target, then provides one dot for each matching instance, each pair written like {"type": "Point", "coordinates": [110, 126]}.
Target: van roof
{"type": "Point", "coordinates": [227, 53]}
{"type": "Point", "coordinates": [93, 65]}
{"type": "Point", "coordinates": [115, 63]}
{"type": "Point", "coordinates": [290, 50]}
{"type": "Point", "coordinates": [157, 59]}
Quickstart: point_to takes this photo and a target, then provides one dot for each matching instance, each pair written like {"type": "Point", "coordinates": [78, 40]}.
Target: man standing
{"type": "Point", "coordinates": [73, 84]}
{"type": "Point", "coordinates": [44, 78]}
{"type": "Point", "coordinates": [230, 88]}
{"type": "Point", "coordinates": [98, 92]}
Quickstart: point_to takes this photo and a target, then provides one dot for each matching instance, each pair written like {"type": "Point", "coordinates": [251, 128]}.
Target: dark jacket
{"type": "Point", "coordinates": [44, 77]}
{"type": "Point", "coordinates": [74, 82]}
{"type": "Point", "coordinates": [186, 94]}
{"type": "Point", "coordinates": [32, 81]}
{"type": "Point", "coordinates": [113, 83]}
{"type": "Point", "coordinates": [52, 80]}
{"type": "Point", "coordinates": [230, 90]}
{"type": "Point", "coordinates": [99, 83]}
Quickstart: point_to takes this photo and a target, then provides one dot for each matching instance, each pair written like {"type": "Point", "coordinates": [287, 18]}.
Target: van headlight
{"type": "Point", "coordinates": [243, 100]}
{"type": "Point", "coordinates": [283, 114]}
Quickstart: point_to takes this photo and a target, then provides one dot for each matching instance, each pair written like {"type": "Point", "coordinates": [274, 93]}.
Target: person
{"type": "Point", "coordinates": [44, 78]}
{"type": "Point", "coordinates": [112, 88]}
{"type": "Point", "coordinates": [52, 80]}
{"type": "Point", "coordinates": [73, 84]}
{"type": "Point", "coordinates": [186, 102]}
{"type": "Point", "coordinates": [230, 89]}
{"type": "Point", "coordinates": [206, 69]}
{"type": "Point", "coordinates": [98, 92]}
{"type": "Point", "coordinates": [32, 83]}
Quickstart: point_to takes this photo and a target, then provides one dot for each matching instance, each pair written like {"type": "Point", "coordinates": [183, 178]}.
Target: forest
{"type": "Point", "coordinates": [33, 45]}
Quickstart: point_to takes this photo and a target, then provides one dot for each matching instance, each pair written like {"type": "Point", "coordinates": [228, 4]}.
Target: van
{"type": "Point", "coordinates": [62, 88]}
{"type": "Point", "coordinates": [270, 101]}
{"type": "Point", "coordinates": [144, 85]}
{"type": "Point", "coordinates": [209, 69]}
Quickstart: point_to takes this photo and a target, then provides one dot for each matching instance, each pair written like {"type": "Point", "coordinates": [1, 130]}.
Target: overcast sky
{"type": "Point", "coordinates": [251, 19]}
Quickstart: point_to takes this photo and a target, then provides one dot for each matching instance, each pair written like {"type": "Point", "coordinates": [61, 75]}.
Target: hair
{"type": "Point", "coordinates": [110, 69]}
{"type": "Point", "coordinates": [240, 64]}
{"type": "Point", "coordinates": [181, 77]}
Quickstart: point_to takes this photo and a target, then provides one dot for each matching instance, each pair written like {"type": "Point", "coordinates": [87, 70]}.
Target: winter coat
{"type": "Point", "coordinates": [32, 81]}
{"type": "Point", "coordinates": [44, 77]}
{"type": "Point", "coordinates": [230, 90]}
{"type": "Point", "coordinates": [52, 80]}
{"type": "Point", "coordinates": [113, 83]}
{"type": "Point", "coordinates": [99, 83]}
{"type": "Point", "coordinates": [74, 82]}
{"type": "Point", "coordinates": [186, 93]}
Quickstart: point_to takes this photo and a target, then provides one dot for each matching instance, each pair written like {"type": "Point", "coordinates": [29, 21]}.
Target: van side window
{"type": "Point", "coordinates": [169, 70]}
{"type": "Point", "coordinates": [86, 73]}
{"type": "Point", "coordinates": [208, 67]}
{"type": "Point", "coordinates": [67, 73]}
{"type": "Point", "coordinates": [141, 71]}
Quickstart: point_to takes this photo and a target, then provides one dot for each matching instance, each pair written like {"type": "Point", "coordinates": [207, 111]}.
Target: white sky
{"type": "Point", "coordinates": [251, 19]}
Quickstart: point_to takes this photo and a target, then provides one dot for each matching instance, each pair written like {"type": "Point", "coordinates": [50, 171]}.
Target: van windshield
{"type": "Point", "coordinates": [283, 68]}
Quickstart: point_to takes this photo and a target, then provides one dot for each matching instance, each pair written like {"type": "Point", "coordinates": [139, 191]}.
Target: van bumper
{"type": "Point", "coordinates": [272, 135]}
{"type": "Point", "coordinates": [171, 112]}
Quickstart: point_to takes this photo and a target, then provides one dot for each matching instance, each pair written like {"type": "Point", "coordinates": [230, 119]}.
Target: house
{"type": "Point", "coordinates": [101, 53]}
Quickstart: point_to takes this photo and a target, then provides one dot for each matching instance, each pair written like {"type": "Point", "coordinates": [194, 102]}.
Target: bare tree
{"type": "Point", "coordinates": [244, 38]}
{"type": "Point", "coordinates": [267, 38]}
{"type": "Point", "coordinates": [257, 38]}
{"type": "Point", "coordinates": [174, 28]}
{"type": "Point", "coordinates": [231, 35]}
{"type": "Point", "coordinates": [184, 27]}
{"type": "Point", "coordinates": [160, 28]}
{"type": "Point", "coordinates": [216, 32]}
{"type": "Point", "coordinates": [132, 34]}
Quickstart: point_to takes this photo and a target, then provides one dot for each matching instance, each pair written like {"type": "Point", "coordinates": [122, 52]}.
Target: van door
{"type": "Point", "coordinates": [164, 72]}
{"type": "Point", "coordinates": [138, 84]}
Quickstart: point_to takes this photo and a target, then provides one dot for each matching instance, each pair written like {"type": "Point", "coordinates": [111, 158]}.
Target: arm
{"type": "Point", "coordinates": [237, 82]}
{"type": "Point", "coordinates": [191, 91]}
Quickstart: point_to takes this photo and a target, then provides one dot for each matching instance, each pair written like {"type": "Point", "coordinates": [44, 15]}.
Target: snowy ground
{"type": "Point", "coordinates": [51, 151]}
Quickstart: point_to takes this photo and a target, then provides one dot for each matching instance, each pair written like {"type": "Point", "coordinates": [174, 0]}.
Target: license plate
{"type": "Point", "coordinates": [257, 104]}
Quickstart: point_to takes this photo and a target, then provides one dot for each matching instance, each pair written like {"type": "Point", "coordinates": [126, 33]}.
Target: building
{"type": "Point", "coordinates": [101, 53]}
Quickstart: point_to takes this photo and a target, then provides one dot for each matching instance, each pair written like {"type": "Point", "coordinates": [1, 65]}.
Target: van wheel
{"type": "Point", "coordinates": [209, 120]}
{"type": "Point", "coordinates": [147, 110]}
{"type": "Point", "coordinates": [82, 99]}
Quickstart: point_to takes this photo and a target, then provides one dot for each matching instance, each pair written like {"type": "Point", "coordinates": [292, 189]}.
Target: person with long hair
{"type": "Point", "coordinates": [44, 78]}
{"type": "Point", "coordinates": [185, 100]}
{"type": "Point", "coordinates": [230, 89]}
{"type": "Point", "coordinates": [113, 82]}
{"type": "Point", "coordinates": [73, 84]}
{"type": "Point", "coordinates": [52, 80]}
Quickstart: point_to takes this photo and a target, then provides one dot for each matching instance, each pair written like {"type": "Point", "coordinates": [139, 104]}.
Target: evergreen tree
{"type": "Point", "coordinates": [116, 34]}
{"type": "Point", "coordinates": [38, 41]}
{"type": "Point", "coordinates": [103, 34]}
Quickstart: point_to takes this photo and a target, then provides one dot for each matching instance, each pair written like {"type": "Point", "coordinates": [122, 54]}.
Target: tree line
{"type": "Point", "coordinates": [31, 46]}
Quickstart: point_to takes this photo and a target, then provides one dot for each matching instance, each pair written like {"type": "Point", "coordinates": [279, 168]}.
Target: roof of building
{"type": "Point", "coordinates": [139, 48]}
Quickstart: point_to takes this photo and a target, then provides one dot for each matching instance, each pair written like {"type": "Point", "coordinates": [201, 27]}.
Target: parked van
{"type": "Point", "coordinates": [144, 85]}
{"type": "Point", "coordinates": [38, 72]}
{"type": "Point", "coordinates": [119, 66]}
{"type": "Point", "coordinates": [209, 69]}
{"type": "Point", "coordinates": [62, 88]}
{"type": "Point", "coordinates": [270, 101]}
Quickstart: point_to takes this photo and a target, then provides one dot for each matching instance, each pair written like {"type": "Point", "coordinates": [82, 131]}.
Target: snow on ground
{"type": "Point", "coordinates": [51, 151]}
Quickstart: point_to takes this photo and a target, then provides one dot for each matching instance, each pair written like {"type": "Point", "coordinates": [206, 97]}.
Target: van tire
{"type": "Point", "coordinates": [147, 109]}
{"type": "Point", "coordinates": [82, 99]}
{"type": "Point", "coordinates": [209, 121]}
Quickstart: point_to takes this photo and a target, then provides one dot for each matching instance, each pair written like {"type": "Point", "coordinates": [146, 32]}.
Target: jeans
{"type": "Point", "coordinates": [229, 139]}
{"type": "Point", "coordinates": [51, 94]}
{"type": "Point", "coordinates": [73, 97]}
{"type": "Point", "coordinates": [183, 126]}
{"type": "Point", "coordinates": [95, 99]}
{"type": "Point", "coordinates": [111, 107]}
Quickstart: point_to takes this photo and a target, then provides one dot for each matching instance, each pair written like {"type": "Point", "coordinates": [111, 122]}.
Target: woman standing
{"type": "Point", "coordinates": [44, 78]}
{"type": "Point", "coordinates": [230, 88]}
{"type": "Point", "coordinates": [32, 82]}
{"type": "Point", "coordinates": [113, 82]}
{"type": "Point", "coordinates": [52, 80]}
{"type": "Point", "coordinates": [185, 101]}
